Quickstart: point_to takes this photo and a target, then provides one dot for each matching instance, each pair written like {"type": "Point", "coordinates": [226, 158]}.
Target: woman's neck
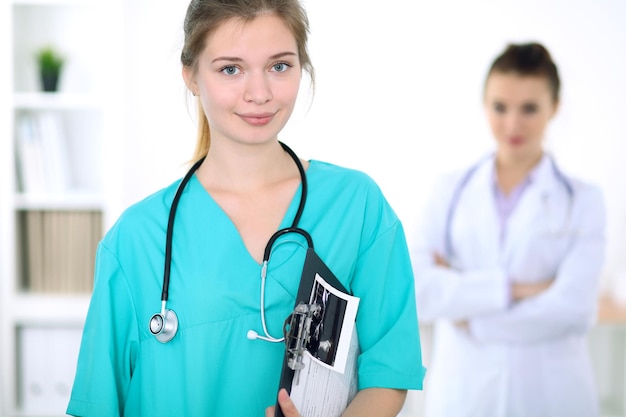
{"type": "Point", "coordinates": [254, 185]}
{"type": "Point", "coordinates": [242, 167]}
{"type": "Point", "coordinates": [511, 172]}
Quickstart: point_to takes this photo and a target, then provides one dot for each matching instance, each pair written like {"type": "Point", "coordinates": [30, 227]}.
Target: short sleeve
{"type": "Point", "coordinates": [108, 346]}
{"type": "Point", "coordinates": [387, 318]}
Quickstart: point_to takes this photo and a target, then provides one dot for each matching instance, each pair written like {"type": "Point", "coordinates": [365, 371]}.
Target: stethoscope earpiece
{"type": "Point", "coordinates": [252, 335]}
{"type": "Point", "coordinates": [164, 326]}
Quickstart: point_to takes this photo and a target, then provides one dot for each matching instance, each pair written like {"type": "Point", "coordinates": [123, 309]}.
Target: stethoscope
{"type": "Point", "coordinates": [454, 202]}
{"type": "Point", "coordinates": [164, 325]}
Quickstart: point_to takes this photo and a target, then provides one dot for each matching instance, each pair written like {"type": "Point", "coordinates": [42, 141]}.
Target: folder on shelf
{"type": "Point", "coordinates": [59, 248]}
{"type": "Point", "coordinates": [46, 367]}
{"type": "Point", "coordinates": [30, 156]}
{"type": "Point", "coordinates": [34, 248]}
{"type": "Point", "coordinates": [319, 367]}
{"type": "Point", "coordinates": [42, 153]}
{"type": "Point", "coordinates": [55, 148]}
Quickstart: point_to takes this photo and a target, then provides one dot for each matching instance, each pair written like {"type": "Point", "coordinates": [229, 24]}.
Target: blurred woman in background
{"type": "Point", "coordinates": [507, 263]}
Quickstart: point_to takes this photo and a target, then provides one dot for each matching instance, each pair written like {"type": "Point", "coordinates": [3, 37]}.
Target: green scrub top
{"type": "Point", "coordinates": [210, 368]}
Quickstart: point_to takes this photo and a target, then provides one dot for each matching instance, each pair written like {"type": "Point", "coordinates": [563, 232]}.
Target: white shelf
{"type": "Point", "coordinates": [68, 201]}
{"type": "Point", "coordinates": [43, 309]}
{"type": "Point", "coordinates": [53, 2]}
{"type": "Point", "coordinates": [56, 101]}
{"type": "Point", "coordinates": [88, 126]}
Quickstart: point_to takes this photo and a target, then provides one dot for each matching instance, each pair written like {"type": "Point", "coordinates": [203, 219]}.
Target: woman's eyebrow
{"type": "Point", "coordinates": [282, 54]}
{"type": "Point", "coordinates": [237, 59]}
{"type": "Point", "coordinates": [227, 58]}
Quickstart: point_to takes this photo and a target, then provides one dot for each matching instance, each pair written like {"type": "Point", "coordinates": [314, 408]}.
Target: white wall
{"type": "Point", "coordinates": [399, 92]}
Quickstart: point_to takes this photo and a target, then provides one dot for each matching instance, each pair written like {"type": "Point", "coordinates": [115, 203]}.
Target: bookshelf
{"type": "Point", "coordinates": [59, 189]}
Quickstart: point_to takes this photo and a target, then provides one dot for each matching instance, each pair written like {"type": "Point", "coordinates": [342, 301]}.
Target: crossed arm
{"type": "Point", "coordinates": [519, 290]}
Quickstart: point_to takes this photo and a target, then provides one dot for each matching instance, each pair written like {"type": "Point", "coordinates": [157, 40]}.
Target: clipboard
{"type": "Point", "coordinates": [321, 344]}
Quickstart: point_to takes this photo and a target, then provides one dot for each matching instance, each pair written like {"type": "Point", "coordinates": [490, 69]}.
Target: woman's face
{"type": "Point", "coordinates": [247, 78]}
{"type": "Point", "coordinates": [518, 109]}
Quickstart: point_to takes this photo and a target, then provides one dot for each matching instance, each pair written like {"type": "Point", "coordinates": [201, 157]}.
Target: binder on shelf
{"type": "Point", "coordinates": [320, 363]}
{"type": "Point", "coordinates": [60, 248]}
{"type": "Point", "coordinates": [52, 250]}
{"type": "Point", "coordinates": [42, 153]}
{"type": "Point", "coordinates": [47, 363]}
{"type": "Point", "coordinates": [30, 156]}
{"type": "Point", "coordinates": [55, 150]}
{"type": "Point", "coordinates": [34, 257]}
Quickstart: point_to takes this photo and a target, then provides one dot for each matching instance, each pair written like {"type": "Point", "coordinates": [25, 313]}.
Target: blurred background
{"type": "Point", "coordinates": [398, 95]}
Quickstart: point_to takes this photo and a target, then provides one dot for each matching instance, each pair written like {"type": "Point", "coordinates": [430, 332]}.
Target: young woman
{"type": "Point", "coordinates": [201, 353]}
{"type": "Point", "coordinates": [507, 263]}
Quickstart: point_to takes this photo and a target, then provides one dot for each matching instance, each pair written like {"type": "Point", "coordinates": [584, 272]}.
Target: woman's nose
{"type": "Point", "coordinates": [512, 122]}
{"type": "Point", "coordinates": [258, 89]}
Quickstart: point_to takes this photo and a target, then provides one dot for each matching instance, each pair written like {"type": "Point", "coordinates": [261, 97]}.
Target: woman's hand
{"type": "Point", "coordinates": [368, 402]}
{"type": "Point", "coordinates": [523, 290]}
{"type": "Point", "coordinates": [286, 405]}
{"type": "Point", "coordinates": [440, 261]}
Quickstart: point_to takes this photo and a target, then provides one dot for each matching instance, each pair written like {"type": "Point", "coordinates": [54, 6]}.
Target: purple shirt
{"type": "Point", "coordinates": [505, 204]}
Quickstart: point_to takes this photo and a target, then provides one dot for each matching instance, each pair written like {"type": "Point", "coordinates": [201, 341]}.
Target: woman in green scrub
{"type": "Point", "coordinates": [243, 60]}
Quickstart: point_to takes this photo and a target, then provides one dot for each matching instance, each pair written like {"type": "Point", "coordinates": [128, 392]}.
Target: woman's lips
{"type": "Point", "coordinates": [257, 119]}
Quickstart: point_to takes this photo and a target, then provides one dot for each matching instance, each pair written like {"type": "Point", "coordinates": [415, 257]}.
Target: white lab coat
{"type": "Point", "coordinates": [525, 359]}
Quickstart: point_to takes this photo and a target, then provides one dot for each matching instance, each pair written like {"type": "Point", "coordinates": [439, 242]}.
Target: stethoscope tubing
{"type": "Point", "coordinates": [170, 228]}
{"type": "Point", "coordinates": [164, 325]}
{"type": "Point", "coordinates": [172, 215]}
{"type": "Point", "coordinates": [456, 197]}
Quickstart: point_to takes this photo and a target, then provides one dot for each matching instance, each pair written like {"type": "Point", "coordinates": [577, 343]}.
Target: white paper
{"type": "Point", "coordinates": [329, 380]}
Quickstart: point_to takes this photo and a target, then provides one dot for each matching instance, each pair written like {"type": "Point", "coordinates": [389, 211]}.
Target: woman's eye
{"type": "Point", "coordinates": [499, 108]}
{"type": "Point", "coordinates": [230, 70]}
{"type": "Point", "coordinates": [530, 108]}
{"type": "Point", "coordinates": [280, 67]}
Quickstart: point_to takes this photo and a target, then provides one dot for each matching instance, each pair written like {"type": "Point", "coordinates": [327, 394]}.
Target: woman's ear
{"type": "Point", "coordinates": [190, 82]}
{"type": "Point", "coordinates": [557, 106]}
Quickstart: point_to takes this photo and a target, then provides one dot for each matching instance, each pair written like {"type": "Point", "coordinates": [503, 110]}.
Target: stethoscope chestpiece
{"type": "Point", "coordinates": [164, 326]}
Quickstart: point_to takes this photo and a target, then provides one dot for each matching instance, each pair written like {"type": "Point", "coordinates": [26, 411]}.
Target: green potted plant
{"type": "Point", "coordinates": [50, 64]}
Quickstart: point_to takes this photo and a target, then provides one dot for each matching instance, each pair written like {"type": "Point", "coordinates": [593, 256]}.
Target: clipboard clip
{"type": "Point", "coordinates": [297, 332]}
